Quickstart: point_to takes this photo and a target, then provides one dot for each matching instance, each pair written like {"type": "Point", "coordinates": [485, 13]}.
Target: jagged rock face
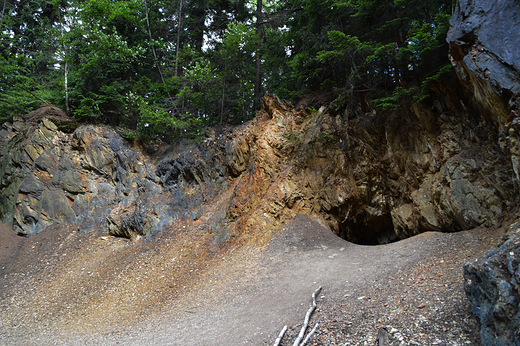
{"type": "Point", "coordinates": [485, 50]}
{"type": "Point", "coordinates": [484, 36]}
{"type": "Point", "coordinates": [373, 177]}
{"type": "Point", "coordinates": [396, 174]}
{"type": "Point", "coordinates": [493, 286]}
{"type": "Point", "coordinates": [52, 177]}
{"type": "Point", "coordinates": [484, 45]}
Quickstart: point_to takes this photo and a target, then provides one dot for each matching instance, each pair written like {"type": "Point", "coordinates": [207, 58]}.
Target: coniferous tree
{"type": "Point", "coordinates": [167, 67]}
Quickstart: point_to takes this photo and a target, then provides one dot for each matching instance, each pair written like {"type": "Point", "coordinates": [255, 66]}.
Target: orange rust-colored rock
{"type": "Point", "coordinates": [372, 176]}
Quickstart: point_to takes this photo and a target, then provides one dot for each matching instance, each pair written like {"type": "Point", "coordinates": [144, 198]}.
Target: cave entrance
{"type": "Point", "coordinates": [368, 229]}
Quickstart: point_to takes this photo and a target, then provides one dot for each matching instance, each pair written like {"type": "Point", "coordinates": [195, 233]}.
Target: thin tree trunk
{"type": "Point", "coordinates": [180, 15]}
{"type": "Point", "coordinates": [258, 79]}
{"type": "Point", "coordinates": [223, 92]}
{"type": "Point", "coordinates": [66, 75]}
{"type": "Point", "coordinates": [66, 67]}
{"type": "Point", "coordinates": [2, 18]}
{"type": "Point", "coordinates": [33, 95]}
{"type": "Point", "coordinates": [153, 48]}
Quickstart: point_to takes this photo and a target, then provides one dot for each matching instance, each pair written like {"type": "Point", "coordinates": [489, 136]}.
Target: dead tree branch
{"type": "Point", "coordinates": [311, 333]}
{"type": "Point", "coordinates": [277, 341]}
{"type": "Point", "coordinates": [307, 318]}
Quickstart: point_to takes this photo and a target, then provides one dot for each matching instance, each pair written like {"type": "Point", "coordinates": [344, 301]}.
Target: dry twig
{"type": "Point", "coordinates": [311, 333]}
{"type": "Point", "coordinates": [277, 341]}
{"type": "Point", "coordinates": [307, 317]}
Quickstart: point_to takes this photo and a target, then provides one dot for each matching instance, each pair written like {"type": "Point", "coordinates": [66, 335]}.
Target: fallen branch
{"type": "Point", "coordinates": [311, 333]}
{"type": "Point", "coordinates": [307, 318]}
{"type": "Point", "coordinates": [277, 341]}
{"type": "Point", "coordinates": [382, 337]}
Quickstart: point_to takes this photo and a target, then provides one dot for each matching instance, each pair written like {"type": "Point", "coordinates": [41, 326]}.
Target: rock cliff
{"type": "Point", "coordinates": [449, 163]}
{"type": "Point", "coordinates": [373, 177]}
{"type": "Point", "coordinates": [484, 49]}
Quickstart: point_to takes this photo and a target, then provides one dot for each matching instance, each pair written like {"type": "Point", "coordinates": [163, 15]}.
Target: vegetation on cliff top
{"type": "Point", "coordinates": [169, 67]}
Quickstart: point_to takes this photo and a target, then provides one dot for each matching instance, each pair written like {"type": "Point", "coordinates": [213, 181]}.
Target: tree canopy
{"type": "Point", "coordinates": [169, 68]}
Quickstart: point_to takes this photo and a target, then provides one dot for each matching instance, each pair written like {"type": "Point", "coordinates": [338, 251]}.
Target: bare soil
{"type": "Point", "coordinates": [47, 112]}
{"type": "Point", "coordinates": [70, 288]}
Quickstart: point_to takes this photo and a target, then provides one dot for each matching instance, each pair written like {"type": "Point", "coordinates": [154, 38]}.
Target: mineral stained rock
{"type": "Point", "coordinates": [372, 177]}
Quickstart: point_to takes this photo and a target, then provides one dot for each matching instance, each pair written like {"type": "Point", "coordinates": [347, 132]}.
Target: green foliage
{"type": "Point", "coordinates": [238, 50]}
{"type": "Point", "coordinates": [423, 94]}
{"type": "Point", "coordinates": [293, 139]}
{"type": "Point", "coordinates": [103, 56]}
{"type": "Point", "coordinates": [311, 136]}
{"type": "Point", "coordinates": [392, 101]}
{"type": "Point", "coordinates": [162, 71]}
{"type": "Point", "coordinates": [155, 122]}
{"type": "Point", "coordinates": [413, 94]}
{"type": "Point", "coordinates": [371, 44]}
{"type": "Point", "coordinates": [26, 44]}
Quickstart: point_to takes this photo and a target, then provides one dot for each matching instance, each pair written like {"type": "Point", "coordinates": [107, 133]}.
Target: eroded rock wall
{"type": "Point", "coordinates": [446, 164]}
{"type": "Point", "coordinates": [485, 50]}
{"type": "Point", "coordinates": [49, 176]}
{"type": "Point", "coordinates": [374, 177]}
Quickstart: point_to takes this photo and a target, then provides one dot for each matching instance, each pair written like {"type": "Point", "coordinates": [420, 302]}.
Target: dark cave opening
{"type": "Point", "coordinates": [368, 229]}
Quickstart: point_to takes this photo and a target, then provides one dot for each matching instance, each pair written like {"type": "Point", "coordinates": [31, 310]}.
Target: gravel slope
{"type": "Point", "coordinates": [65, 288]}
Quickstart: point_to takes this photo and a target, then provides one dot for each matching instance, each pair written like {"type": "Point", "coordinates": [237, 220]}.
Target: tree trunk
{"type": "Point", "coordinates": [153, 48]}
{"type": "Point", "coordinates": [223, 92]}
{"type": "Point", "coordinates": [179, 30]}
{"type": "Point", "coordinates": [258, 79]}
{"type": "Point", "coordinates": [2, 17]}
{"type": "Point", "coordinates": [66, 67]}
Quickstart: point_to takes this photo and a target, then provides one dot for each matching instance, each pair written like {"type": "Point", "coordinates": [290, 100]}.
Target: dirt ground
{"type": "Point", "coordinates": [63, 287]}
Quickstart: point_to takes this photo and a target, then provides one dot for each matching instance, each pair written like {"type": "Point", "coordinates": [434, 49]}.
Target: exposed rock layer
{"type": "Point", "coordinates": [449, 163]}
{"type": "Point", "coordinates": [493, 287]}
{"type": "Point", "coordinates": [373, 177]}
{"type": "Point", "coordinates": [485, 50]}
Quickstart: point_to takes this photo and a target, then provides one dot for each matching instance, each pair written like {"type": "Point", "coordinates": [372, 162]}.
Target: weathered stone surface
{"type": "Point", "coordinates": [485, 50]}
{"type": "Point", "coordinates": [52, 177]}
{"type": "Point", "coordinates": [485, 33]}
{"type": "Point", "coordinates": [373, 177]}
{"type": "Point", "coordinates": [493, 286]}
{"type": "Point", "coordinates": [132, 223]}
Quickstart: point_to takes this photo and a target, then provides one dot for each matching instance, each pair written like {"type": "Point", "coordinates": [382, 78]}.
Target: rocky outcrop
{"type": "Point", "coordinates": [484, 37]}
{"type": "Point", "coordinates": [485, 50]}
{"type": "Point", "coordinates": [449, 163]}
{"type": "Point", "coordinates": [373, 177]}
{"type": "Point", "coordinates": [493, 286]}
{"type": "Point", "coordinates": [49, 176]}
{"type": "Point", "coordinates": [445, 164]}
